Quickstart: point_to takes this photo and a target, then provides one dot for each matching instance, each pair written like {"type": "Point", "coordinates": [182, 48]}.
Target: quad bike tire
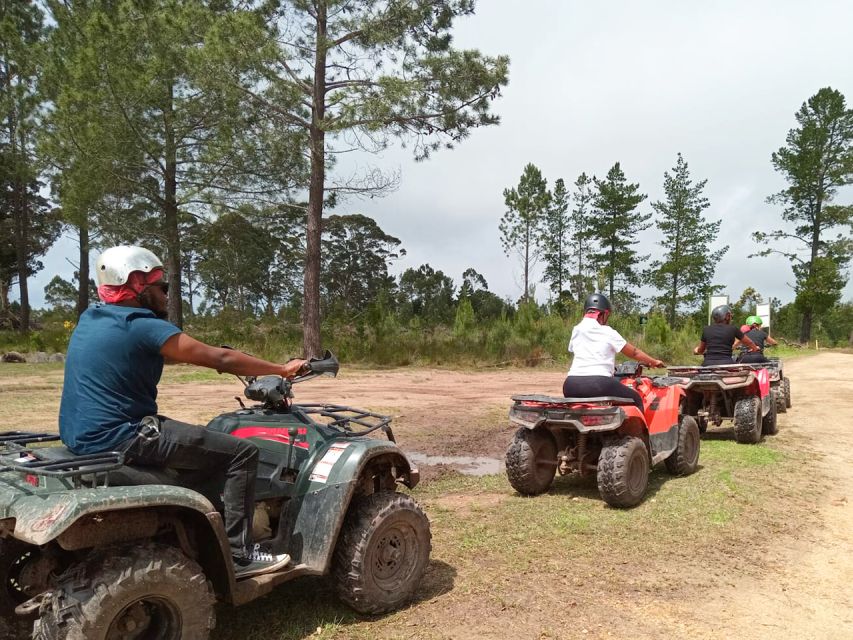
{"type": "Point", "coordinates": [382, 552]}
{"type": "Point", "coordinates": [623, 471]}
{"type": "Point", "coordinates": [770, 423]}
{"type": "Point", "coordinates": [747, 423]}
{"type": "Point", "coordinates": [13, 558]}
{"type": "Point", "coordinates": [685, 459]}
{"type": "Point", "coordinates": [531, 461]}
{"type": "Point", "coordinates": [779, 399]}
{"type": "Point", "coordinates": [786, 385]}
{"type": "Point", "coordinates": [146, 591]}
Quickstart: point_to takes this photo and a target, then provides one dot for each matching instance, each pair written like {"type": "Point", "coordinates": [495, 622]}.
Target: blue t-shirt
{"type": "Point", "coordinates": [112, 369]}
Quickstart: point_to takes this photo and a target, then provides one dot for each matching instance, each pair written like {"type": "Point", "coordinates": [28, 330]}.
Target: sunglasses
{"type": "Point", "coordinates": [164, 286]}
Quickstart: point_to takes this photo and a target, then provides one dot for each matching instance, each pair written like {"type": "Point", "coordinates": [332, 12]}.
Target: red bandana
{"type": "Point", "coordinates": [136, 282]}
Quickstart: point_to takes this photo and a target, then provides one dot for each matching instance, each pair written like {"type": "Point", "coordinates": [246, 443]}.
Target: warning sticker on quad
{"type": "Point", "coordinates": [323, 469]}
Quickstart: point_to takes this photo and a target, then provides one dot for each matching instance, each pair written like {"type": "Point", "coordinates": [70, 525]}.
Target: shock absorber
{"type": "Point", "coordinates": [582, 437]}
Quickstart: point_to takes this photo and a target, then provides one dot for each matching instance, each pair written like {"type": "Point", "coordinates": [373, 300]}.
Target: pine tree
{"type": "Point", "coordinates": [614, 226]}
{"type": "Point", "coordinates": [581, 240]}
{"type": "Point", "coordinates": [356, 74]}
{"type": "Point", "coordinates": [816, 161]}
{"type": "Point", "coordinates": [520, 226]}
{"type": "Point", "coordinates": [556, 236]}
{"type": "Point", "coordinates": [684, 273]}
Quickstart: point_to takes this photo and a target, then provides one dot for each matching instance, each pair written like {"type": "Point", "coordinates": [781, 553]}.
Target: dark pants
{"type": "Point", "coordinates": [753, 357]}
{"type": "Point", "coordinates": [598, 386]}
{"type": "Point", "coordinates": [714, 362]}
{"type": "Point", "coordinates": [231, 462]}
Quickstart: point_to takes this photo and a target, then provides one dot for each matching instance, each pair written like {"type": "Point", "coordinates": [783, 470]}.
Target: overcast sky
{"type": "Point", "coordinates": [593, 83]}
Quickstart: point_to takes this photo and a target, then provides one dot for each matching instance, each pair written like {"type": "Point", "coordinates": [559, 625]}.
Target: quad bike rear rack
{"type": "Point", "coordinates": [17, 455]}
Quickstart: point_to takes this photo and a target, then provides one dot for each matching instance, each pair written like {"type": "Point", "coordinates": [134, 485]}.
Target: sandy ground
{"type": "Point", "coordinates": [801, 588]}
{"type": "Point", "coordinates": [805, 591]}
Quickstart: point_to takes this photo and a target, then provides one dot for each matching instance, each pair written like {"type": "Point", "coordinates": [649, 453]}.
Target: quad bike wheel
{"type": "Point", "coordinates": [382, 552]}
{"type": "Point", "coordinates": [779, 399]}
{"type": "Point", "coordinates": [531, 461]}
{"type": "Point", "coordinates": [769, 423]}
{"type": "Point", "coordinates": [748, 420]}
{"type": "Point", "coordinates": [623, 471]}
{"type": "Point", "coordinates": [684, 460]}
{"type": "Point", "coordinates": [17, 560]}
{"type": "Point", "coordinates": [786, 384]}
{"type": "Point", "coordinates": [129, 593]}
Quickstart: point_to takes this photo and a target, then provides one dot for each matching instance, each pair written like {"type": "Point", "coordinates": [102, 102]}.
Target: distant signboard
{"type": "Point", "coordinates": [763, 312]}
{"type": "Point", "coordinates": [716, 301]}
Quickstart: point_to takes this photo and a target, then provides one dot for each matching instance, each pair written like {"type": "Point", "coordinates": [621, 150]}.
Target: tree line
{"type": "Point", "coordinates": [210, 132]}
{"type": "Point", "coordinates": [592, 245]}
{"type": "Point", "coordinates": [587, 237]}
{"type": "Point", "coordinates": [151, 120]}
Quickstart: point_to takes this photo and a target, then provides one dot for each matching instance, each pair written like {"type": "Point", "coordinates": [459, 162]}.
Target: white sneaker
{"type": "Point", "coordinates": [259, 561]}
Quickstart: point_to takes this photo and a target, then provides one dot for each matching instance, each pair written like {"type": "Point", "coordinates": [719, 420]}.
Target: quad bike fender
{"type": "Point", "coordinates": [41, 518]}
{"type": "Point", "coordinates": [346, 470]}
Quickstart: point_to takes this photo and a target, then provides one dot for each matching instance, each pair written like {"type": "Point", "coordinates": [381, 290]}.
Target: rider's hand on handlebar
{"type": "Point", "coordinates": [293, 368]}
{"type": "Point", "coordinates": [657, 364]}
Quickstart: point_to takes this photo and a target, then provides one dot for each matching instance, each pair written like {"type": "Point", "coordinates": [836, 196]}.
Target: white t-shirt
{"type": "Point", "coordinates": [595, 347]}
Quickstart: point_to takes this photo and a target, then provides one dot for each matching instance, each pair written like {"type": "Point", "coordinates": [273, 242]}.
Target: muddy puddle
{"type": "Point", "coordinates": [467, 465]}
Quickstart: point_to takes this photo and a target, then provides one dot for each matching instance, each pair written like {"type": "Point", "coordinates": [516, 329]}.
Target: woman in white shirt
{"type": "Point", "coordinates": [595, 346]}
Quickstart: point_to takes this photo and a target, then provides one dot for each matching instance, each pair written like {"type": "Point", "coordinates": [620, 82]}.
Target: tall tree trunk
{"type": "Point", "coordinates": [170, 212]}
{"type": "Point", "coordinates": [21, 213]}
{"type": "Point", "coordinates": [83, 284]}
{"type": "Point", "coordinates": [526, 264]}
{"type": "Point", "coordinates": [806, 326]}
{"type": "Point", "coordinates": [311, 339]}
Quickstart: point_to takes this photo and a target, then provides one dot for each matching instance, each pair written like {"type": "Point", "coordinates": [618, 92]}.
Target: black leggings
{"type": "Point", "coordinates": [598, 386]}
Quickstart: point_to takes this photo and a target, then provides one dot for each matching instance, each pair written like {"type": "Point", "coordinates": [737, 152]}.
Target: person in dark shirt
{"type": "Point", "coordinates": [760, 338]}
{"type": "Point", "coordinates": [719, 338]}
{"type": "Point", "coordinates": [109, 398]}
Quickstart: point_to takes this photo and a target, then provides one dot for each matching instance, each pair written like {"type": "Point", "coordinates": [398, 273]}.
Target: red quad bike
{"type": "Point", "coordinates": [780, 385]}
{"type": "Point", "coordinates": [607, 436]}
{"type": "Point", "coordinates": [737, 392]}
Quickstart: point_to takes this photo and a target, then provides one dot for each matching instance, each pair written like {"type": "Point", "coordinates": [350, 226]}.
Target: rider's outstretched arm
{"type": "Point", "coordinates": [643, 358]}
{"type": "Point", "coordinates": [182, 348]}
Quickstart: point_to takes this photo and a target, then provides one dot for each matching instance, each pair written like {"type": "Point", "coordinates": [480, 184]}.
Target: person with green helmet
{"type": "Point", "coordinates": [759, 337]}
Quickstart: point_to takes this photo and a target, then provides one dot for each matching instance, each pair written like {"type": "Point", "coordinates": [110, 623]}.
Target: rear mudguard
{"type": "Point", "coordinates": [43, 516]}
{"type": "Point", "coordinates": [313, 518]}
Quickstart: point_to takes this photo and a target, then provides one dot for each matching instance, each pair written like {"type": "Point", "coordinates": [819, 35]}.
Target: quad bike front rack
{"type": "Point", "coordinates": [342, 417]}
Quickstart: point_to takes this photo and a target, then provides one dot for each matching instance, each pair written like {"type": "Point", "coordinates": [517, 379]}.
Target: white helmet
{"type": "Point", "coordinates": [116, 263]}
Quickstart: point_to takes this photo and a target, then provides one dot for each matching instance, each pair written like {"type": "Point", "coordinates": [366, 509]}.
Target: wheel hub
{"type": "Point", "coordinates": [150, 618]}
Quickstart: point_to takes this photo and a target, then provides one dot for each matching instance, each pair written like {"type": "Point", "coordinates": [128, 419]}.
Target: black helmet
{"type": "Point", "coordinates": [723, 313]}
{"type": "Point", "coordinates": [596, 301]}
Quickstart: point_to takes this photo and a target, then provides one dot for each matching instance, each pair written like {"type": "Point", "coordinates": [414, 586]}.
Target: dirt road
{"type": "Point", "coordinates": [801, 588]}
{"type": "Point", "coordinates": [790, 577]}
{"type": "Point", "coordinates": [806, 590]}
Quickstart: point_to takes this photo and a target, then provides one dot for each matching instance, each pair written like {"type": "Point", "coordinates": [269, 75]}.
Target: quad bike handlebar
{"type": "Point", "coordinates": [275, 391]}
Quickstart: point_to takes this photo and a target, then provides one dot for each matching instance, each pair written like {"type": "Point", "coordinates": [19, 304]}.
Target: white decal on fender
{"type": "Point", "coordinates": [323, 469]}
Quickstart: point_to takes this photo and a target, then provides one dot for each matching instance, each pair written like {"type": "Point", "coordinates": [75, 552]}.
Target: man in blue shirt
{"type": "Point", "coordinates": [109, 398]}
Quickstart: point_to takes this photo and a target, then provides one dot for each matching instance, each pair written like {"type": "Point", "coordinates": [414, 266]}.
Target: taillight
{"type": "Point", "coordinates": [593, 420]}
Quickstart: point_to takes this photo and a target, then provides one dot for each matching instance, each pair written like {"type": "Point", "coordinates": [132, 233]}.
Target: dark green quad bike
{"type": "Point", "coordinates": [96, 549]}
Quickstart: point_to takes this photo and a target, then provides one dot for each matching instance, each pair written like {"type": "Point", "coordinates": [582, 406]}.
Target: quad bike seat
{"type": "Point", "coordinates": [126, 475]}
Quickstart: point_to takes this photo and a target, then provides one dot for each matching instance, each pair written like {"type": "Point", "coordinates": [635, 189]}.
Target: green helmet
{"type": "Point", "coordinates": [754, 320]}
